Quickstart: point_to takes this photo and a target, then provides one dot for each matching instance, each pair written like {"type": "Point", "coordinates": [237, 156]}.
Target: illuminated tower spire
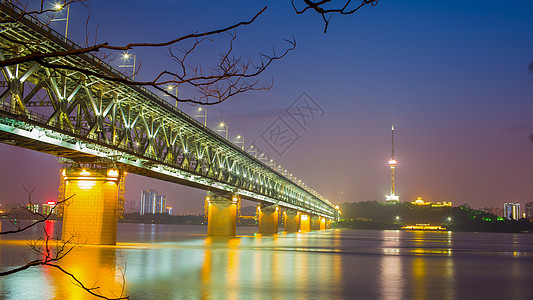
{"type": "Point", "coordinates": [392, 164]}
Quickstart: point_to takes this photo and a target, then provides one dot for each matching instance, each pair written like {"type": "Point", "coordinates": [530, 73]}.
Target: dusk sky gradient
{"type": "Point", "coordinates": [451, 76]}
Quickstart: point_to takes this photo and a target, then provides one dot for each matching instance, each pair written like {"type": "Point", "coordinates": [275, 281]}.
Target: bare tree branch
{"type": "Point", "coordinates": [36, 56]}
{"type": "Point", "coordinates": [50, 254]}
{"type": "Point", "coordinates": [41, 10]}
{"type": "Point", "coordinates": [91, 290]}
{"type": "Point", "coordinates": [230, 76]}
{"type": "Point", "coordinates": [327, 8]}
{"type": "Point", "coordinates": [42, 217]}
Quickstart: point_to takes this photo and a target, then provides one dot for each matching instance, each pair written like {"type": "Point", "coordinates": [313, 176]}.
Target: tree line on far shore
{"type": "Point", "coordinates": [380, 215]}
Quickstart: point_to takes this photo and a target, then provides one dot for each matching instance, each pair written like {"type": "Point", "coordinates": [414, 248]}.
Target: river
{"type": "Point", "coordinates": [180, 262]}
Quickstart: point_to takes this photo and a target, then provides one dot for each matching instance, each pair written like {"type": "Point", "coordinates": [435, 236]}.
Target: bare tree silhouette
{"type": "Point", "coordinates": [230, 75]}
{"type": "Point", "coordinates": [47, 250]}
{"type": "Point", "coordinates": [328, 8]}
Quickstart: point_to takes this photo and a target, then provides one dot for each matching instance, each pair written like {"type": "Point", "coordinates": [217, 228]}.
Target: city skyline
{"type": "Point", "coordinates": [152, 202]}
{"type": "Point", "coordinates": [462, 108]}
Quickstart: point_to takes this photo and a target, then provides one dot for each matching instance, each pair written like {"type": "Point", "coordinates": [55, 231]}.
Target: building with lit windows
{"type": "Point", "coordinates": [168, 210]}
{"type": "Point", "coordinates": [144, 204]}
{"type": "Point", "coordinates": [160, 205]}
{"type": "Point", "coordinates": [152, 203]}
{"type": "Point", "coordinates": [529, 210]}
{"type": "Point", "coordinates": [34, 208]}
{"type": "Point", "coordinates": [420, 202]}
{"type": "Point", "coordinates": [493, 210]}
{"type": "Point", "coordinates": [511, 211]}
{"type": "Point", "coordinates": [49, 207]}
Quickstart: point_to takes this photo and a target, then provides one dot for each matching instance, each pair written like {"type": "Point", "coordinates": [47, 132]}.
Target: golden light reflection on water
{"type": "Point", "coordinates": [425, 265]}
{"type": "Point", "coordinates": [391, 266]}
{"type": "Point", "coordinates": [412, 260]}
{"type": "Point", "coordinates": [235, 268]}
{"type": "Point", "coordinates": [419, 273]}
{"type": "Point", "coordinates": [94, 266]}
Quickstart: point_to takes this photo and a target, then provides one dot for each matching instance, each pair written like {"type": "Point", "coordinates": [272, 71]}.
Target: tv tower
{"type": "Point", "coordinates": [392, 164]}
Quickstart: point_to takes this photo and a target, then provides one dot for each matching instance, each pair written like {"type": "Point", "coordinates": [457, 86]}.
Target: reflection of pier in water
{"type": "Point", "coordinates": [291, 265]}
{"type": "Point", "coordinates": [234, 268]}
{"type": "Point", "coordinates": [94, 266]}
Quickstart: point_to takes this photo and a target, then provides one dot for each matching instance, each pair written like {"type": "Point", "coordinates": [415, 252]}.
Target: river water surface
{"type": "Point", "coordinates": [180, 262]}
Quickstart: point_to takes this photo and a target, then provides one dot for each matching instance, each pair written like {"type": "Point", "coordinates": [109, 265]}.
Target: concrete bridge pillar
{"type": "Point", "coordinates": [291, 220]}
{"type": "Point", "coordinates": [221, 214]}
{"type": "Point", "coordinates": [315, 223]}
{"type": "Point", "coordinates": [328, 223]}
{"type": "Point", "coordinates": [268, 219]}
{"type": "Point", "coordinates": [305, 222]}
{"type": "Point", "coordinates": [90, 213]}
{"type": "Point", "coordinates": [322, 225]}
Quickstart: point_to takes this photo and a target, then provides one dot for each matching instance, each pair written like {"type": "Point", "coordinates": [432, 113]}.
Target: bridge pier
{"type": "Point", "coordinates": [90, 215]}
{"type": "Point", "coordinates": [322, 223]}
{"type": "Point", "coordinates": [268, 219]}
{"type": "Point", "coordinates": [328, 224]}
{"type": "Point", "coordinates": [315, 223]}
{"type": "Point", "coordinates": [221, 214]}
{"type": "Point", "coordinates": [291, 220]}
{"type": "Point", "coordinates": [305, 222]}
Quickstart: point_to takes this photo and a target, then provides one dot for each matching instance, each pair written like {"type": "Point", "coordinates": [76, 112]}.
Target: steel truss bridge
{"type": "Point", "coordinates": [88, 119]}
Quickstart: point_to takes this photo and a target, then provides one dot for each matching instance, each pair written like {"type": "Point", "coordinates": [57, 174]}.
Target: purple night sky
{"type": "Point", "coordinates": [451, 76]}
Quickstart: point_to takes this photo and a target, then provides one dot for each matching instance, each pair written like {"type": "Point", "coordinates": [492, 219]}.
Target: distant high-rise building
{"type": "Point", "coordinates": [498, 212]}
{"type": "Point", "coordinates": [511, 211]}
{"type": "Point", "coordinates": [493, 210]}
{"type": "Point", "coordinates": [161, 204]}
{"type": "Point", "coordinates": [152, 203]}
{"type": "Point", "coordinates": [34, 208]}
{"type": "Point", "coordinates": [529, 210]}
{"type": "Point", "coordinates": [168, 210]}
{"type": "Point", "coordinates": [144, 205]}
{"type": "Point", "coordinates": [49, 207]}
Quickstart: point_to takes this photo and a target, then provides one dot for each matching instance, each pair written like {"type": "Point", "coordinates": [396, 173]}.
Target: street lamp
{"type": "Point", "coordinates": [224, 128]}
{"type": "Point", "coordinates": [174, 88]}
{"type": "Point", "coordinates": [59, 7]}
{"type": "Point", "coordinates": [240, 140]}
{"type": "Point", "coordinates": [126, 56]}
{"type": "Point", "coordinates": [272, 164]}
{"type": "Point", "coordinates": [253, 150]}
{"type": "Point", "coordinates": [204, 115]}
